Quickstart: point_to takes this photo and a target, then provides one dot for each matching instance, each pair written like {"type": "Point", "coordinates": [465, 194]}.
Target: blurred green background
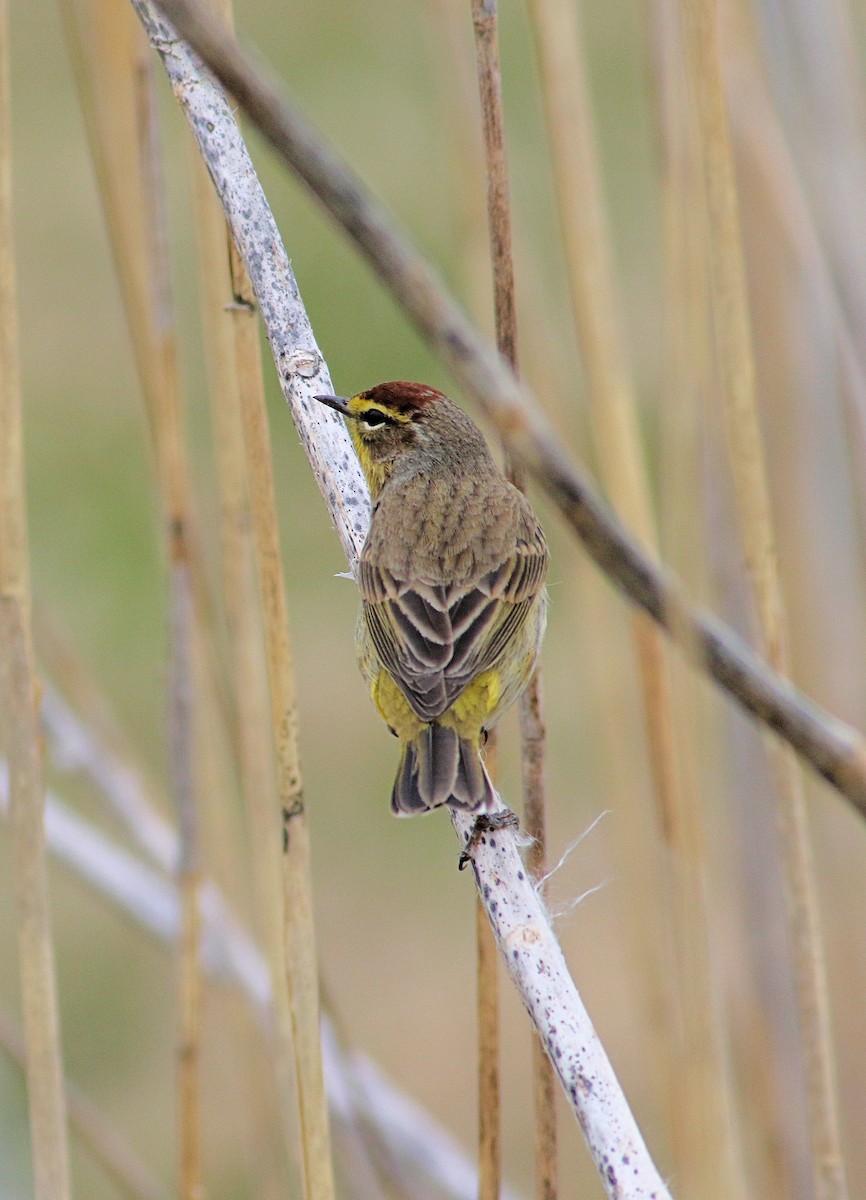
{"type": "Point", "coordinates": [395, 919]}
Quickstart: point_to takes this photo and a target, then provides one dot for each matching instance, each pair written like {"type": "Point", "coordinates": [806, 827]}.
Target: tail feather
{"type": "Point", "coordinates": [439, 767]}
{"type": "Point", "coordinates": [438, 754]}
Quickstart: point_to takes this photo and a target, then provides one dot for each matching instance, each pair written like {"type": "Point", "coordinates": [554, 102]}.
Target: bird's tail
{"type": "Point", "coordinates": [439, 767]}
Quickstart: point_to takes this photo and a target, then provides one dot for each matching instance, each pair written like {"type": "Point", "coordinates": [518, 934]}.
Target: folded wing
{"type": "Point", "coordinates": [435, 638]}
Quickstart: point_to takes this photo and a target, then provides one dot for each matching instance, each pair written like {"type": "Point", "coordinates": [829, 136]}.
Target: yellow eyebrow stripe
{"type": "Point", "coordinates": [358, 404]}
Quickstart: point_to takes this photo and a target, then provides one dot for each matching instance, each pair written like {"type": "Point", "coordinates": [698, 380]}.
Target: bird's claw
{"type": "Point", "coordinates": [486, 823]}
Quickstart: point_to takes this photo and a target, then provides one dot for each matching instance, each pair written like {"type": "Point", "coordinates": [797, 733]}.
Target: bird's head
{"type": "Point", "coordinates": [391, 420]}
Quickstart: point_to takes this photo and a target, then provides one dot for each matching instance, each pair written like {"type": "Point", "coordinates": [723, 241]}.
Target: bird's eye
{"type": "Point", "coordinates": [373, 417]}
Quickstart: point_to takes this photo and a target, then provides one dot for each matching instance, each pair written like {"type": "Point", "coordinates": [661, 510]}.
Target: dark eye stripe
{"type": "Point", "coordinates": [374, 417]}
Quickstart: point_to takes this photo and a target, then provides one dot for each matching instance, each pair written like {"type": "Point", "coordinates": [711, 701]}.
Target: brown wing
{"type": "Point", "coordinates": [434, 638]}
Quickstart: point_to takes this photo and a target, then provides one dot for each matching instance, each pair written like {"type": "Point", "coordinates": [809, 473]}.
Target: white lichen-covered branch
{"type": "Point", "coordinates": [522, 928]}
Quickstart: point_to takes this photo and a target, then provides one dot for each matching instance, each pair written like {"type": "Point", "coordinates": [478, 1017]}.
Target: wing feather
{"type": "Point", "coordinates": [434, 638]}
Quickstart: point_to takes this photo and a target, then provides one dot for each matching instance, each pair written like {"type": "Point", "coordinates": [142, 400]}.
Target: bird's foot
{"type": "Point", "coordinates": [486, 823]}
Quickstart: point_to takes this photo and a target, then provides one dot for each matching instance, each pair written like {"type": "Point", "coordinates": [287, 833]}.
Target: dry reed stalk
{"type": "Point", "coordinates": [298, 961]}
{"type": "Point", "coordinates": [19, 701]}
{"type": "Point", "coordinates": [106, 1147]}
{"type": "Point", "coordinates": [234, 365]}
{"type": "Point", "coordinates": [221, 311]}
{"type": "Point", "coordinates": [485, 25]}
{"type": "Point", "coordinates": [733, 337]}
{"type": "Point", "coordinates": [115, 87]}
{"type": "Point", "coordinates": [762, 148]}
{"type": "Point", "coordinates": [300, 948]}
{"type": "Point", "coordinates": [173, 486]}
{"type": "Point", "coordinates": [298, 931]}
{"type": "Point", "coordinates": [47, 1107]}
{"type": "Point", "coordinates": [489, 1107]}
{"type": "Point", "coordinates": [835, 751]}
{"type": "Point", "coordinates": [484, 22]}
{"type": "Point", "coordinates": [232, 355]}
{"type": "Point", "coordinates": [532, 736]}
{"type": "Point", "coordinates": [698, 1096]}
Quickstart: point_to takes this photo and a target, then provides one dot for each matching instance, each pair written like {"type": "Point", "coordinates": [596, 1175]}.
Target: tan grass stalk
{"type": "Point", "coordinates": [733, 336]}
{"type": "Point", "coordinates": [19, 701]}
{"type": "Point", "coordinates": [117, 1159]}
{"type": "Point", "coordinates": [485, 24]}
{"type": "Point", "coordinates": [489, 1107]}
{"type": "Point", "coordinates": [233, 355]}
{"type": "Point", "coordinates": [297, 1006]}
{"type": "Point", "coordinates": [166, 416]}
{"type": "Point", "coordinates": [699, 1102]}
{"type": "Point", "coordinates": [115, 85]}
{"type": "Point", "coordinates": [762, 147]}
{"type": "Point", "coordinates": [300, 948]}
{"type": "Point", "coordinates": [298, 931]}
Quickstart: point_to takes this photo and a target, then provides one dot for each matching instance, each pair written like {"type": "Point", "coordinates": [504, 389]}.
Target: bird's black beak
{"type": "Point", "coordinates": [338, 403]}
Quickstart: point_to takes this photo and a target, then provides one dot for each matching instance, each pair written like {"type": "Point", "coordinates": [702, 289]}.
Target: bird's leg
{"type": "Point", "coordinates": [486, 823]}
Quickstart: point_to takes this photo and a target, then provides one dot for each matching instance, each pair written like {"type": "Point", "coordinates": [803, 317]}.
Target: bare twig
{"type": "Point", "coordinates": [115, 84]}
{"type": "Point", "coordinates": [20, 727]}
{"type": "Point", "coordinates": [489, 1107]}
{"type": "Point", "coordinates": [532, 732]}
{"type": "Point", "coordinates": [834, 750]}
{"type": "Point", "coordinates": [166, 418]}
{"type": "Point", "coordinates": [733, 337]}
{"type": "Point", "coordinates": [485, 22]}
{"type": "Point", "coordinates": [300, 949]}
{"type": "Point", "coordinates": [485, 25]}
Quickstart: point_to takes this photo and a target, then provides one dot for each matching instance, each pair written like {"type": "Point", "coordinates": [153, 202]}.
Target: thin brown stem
{"type": "Point", "coordinates": [489, 1108]}
{"type": "Point", "coordinates": [166, 420]}
{"type": "Point", "coordinates": [746, 451]}
{"type": "Point", "coordinates": [485, 23]}
{"type": "Point", "coordinates": [19, 725]}
{"type": "Point", "coordinates": [233, 355]}
{"type": "Point", "coordinates": [298, 929]}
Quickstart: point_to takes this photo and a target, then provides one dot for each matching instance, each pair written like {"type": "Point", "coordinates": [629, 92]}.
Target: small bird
{"type": "Point", "coordinates": [453, 604]}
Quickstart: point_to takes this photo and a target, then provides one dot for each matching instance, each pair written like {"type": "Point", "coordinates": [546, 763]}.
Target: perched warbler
{"type": "Point", "coordinates": [453, 604]}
